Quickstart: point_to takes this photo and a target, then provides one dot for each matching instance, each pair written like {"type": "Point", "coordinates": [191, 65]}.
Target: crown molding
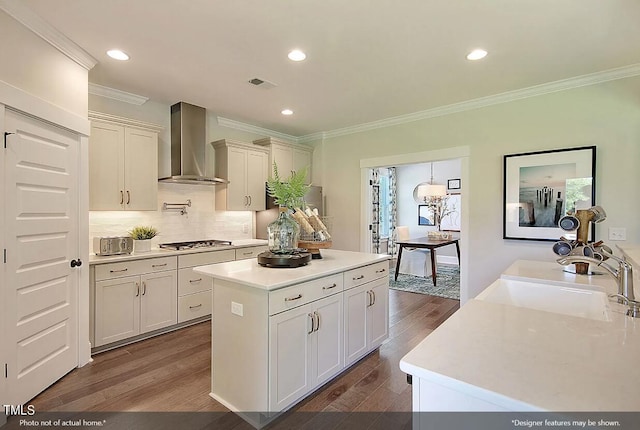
{"type": "Point", "coordinates": [237, 125]}
{"type": "Point", "coordinates": [100, 116]}
{"type": "Point", "coordinates": [55, 38]}
{"type": "Point", "coordinates": [537, 90]}
{"type": "Point", "coordinates": [112, 93]}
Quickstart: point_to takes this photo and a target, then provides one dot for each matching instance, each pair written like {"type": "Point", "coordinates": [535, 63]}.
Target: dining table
{"type": "Point", "coordinates": [431, 245]}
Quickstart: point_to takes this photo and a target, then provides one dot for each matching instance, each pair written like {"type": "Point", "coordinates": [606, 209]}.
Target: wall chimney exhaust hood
{"type": "Point", "coordinates": [188, 140]}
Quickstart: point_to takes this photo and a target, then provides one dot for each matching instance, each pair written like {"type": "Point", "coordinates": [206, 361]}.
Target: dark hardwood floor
{"type": "Point", "coordinates": [171, 372]}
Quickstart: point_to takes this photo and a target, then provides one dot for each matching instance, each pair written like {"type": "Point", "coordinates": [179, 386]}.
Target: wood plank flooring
{"type": "Point", "coordinates": [172, 372]}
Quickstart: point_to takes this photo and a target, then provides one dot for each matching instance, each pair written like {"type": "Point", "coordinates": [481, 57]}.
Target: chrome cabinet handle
{"type": "Point", "coordinates": [128, 197]}
{"type": "Point", "coordinates": [137, 289]}
{"type": "Point", "coordinates": [317, 320]}
{"type": "Point", "coordinates": [121, 197]}
{"type": "Point", "coordinates": [381, 271]}
{"type": "Point", "coordinates": [312, 323]}
{"type": "Point", "coordinates": [328, 288]}
{"type": "Point", "coordinates": [118, 271]}
{"type": "Point", "coordinates": [144, 288]}
{"type": "Point", "coordinates": [373, 293]}
{"type": "Point", "coordinates": [247, 253]}
{"type": "Point", "coordinates": [250, 200]}
{"type": "Point", "coordinates": [193, 281]}
{"type": "Point", "coordinates": [369, 294]}
{"type": "Point", "coordinates": [246, 200]}
{"type": "Point", "coordinates": [196, 306]}
{"type": "Point", "coordinates": [158, 265]}
{"type": "Point", "coordinates": [290, 299]}
{"type": "Point", "coordinates": [359, 277]}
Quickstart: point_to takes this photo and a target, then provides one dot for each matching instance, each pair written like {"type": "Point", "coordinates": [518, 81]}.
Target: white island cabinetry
{"type": "Point", "coordinates": [278, 334]}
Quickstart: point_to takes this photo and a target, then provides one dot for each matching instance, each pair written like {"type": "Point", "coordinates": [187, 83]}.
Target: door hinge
{"type": "Point", "coordinates": [6, 133]}
{"type": "Point", "coordinates": [5, 256]}
{"type": "Point", "coordinates": [370, 227]}
{"type": "Point", "coordinates": [6, 370]}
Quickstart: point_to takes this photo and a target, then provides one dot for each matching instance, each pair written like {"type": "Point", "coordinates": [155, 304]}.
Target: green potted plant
{"type": "Point", "coordinates": [288, 194]}
{"type": "Point", "coordinates": [142, 236]}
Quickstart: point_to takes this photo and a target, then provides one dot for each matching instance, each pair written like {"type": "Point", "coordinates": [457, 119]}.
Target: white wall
{"type": "Point", "coordinates": [39, 69]}
{"type": "Point", "coordinates": [606, 115]}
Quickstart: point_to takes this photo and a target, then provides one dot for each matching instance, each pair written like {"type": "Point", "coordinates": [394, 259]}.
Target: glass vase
{"type": "Point", "coordinates": [283, 233]}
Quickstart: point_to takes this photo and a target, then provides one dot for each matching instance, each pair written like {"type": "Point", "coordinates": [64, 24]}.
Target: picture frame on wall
{"type": "Point", "coordinates": [451, 221]}
{"type": "Point", "coordinates": [541, 187]}
{"type": "Point", "coordinates": [426, 215]}
{"type": "Point", "coordinates": [453, 184]}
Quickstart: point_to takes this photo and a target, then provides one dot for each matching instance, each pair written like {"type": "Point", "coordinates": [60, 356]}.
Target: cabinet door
{"type": "Point", "coordinates": [328, 358]}
{"type": "Point", "coordinates": [302, 159]}
{"type": "Point", "coordinates": [237, 199]}
{"type": "Point", "coordinates": [106, 170]}
{"type": "Point", "coordinates": [158, 301]}
{"type": "Point", "coordinates": [256, 178]}
{"type": "Point", "coordinates": [378, 314]}
{"type": "Point", "coordinates": [117, 309]}
{"type": "Point", "coordinates": [356, 301]}
{"type": "Point", "coordinates": [281, 155]}
{"type": "Point", "coordinates": [141, 170]}
{"type": "Point", "coordinates": [289, 356]}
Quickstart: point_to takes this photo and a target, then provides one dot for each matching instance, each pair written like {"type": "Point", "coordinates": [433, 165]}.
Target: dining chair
{"type": "Point", "coordinates": [402, 233]}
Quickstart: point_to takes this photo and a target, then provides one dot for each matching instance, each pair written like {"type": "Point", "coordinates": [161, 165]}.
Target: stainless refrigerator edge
{"type": "Point", "coordinates": [313, 198]}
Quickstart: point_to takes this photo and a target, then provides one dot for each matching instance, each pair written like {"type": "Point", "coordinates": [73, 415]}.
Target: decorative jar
{"type": "Point", "coordinates": [283, 233]}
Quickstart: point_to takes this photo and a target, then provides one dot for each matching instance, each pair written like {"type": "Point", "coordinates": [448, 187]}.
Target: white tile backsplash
{"type": "Point", "coordinates": [200, 222]}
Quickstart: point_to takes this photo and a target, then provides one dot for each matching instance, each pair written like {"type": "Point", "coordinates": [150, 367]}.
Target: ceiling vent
{"type": "Point", "coordinates": [261, 83]}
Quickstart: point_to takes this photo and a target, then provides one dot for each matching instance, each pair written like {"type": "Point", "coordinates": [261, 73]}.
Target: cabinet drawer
{"type": "Point", "coordinates": [190, 282]}
{"type": "Point", "coordinates": [365, 274]}
{"type": "Point", "coordinates": [306, 292]}
{"type": "Point", "coordinates": [194, 306]}
{"type": "Point", "coordinates": [202, 258]}
{"type": "Point", "coordinates": [134, 267]}
{"type": "Point", "coordinates": [250, 252]}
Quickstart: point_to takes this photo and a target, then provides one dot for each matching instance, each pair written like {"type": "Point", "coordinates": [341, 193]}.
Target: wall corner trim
{"type": "Point", "coordinates": [48, 33]}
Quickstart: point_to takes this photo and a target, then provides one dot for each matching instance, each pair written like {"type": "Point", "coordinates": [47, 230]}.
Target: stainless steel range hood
{"type": "Point", "coordinates": [188, 140]}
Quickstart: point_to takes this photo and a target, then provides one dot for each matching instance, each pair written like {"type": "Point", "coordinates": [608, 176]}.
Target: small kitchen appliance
{"type": "Point", "coordinates": [112, 245]}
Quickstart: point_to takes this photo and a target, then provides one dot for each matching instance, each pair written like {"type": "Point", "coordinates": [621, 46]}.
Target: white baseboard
{"type": "Point", "coordinates": [447, 260]}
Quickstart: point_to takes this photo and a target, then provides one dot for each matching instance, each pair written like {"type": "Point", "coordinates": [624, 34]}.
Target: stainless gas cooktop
{"type": "Point", "coordinates": [179, 246]}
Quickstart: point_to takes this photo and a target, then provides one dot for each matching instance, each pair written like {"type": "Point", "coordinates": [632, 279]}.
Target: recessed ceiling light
{"type": "Point", "coordinates": [287, 112]}
{"type": "Point", "coordinates": [117, 54]}
{"type": "Point", "coordinates": [476, 54]}
{"type": "Point", "coordinates": [297, 55]}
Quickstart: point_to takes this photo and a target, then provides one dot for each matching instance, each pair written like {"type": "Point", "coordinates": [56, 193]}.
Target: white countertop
{"type": "Point", "coordinates": [250, 273]}
{"type": "Point", "coordinates": [632, 252]}
{"type": "Point", "coordinates": [161, 252]}
{"type": "Point", "coordinates": [524, 359]}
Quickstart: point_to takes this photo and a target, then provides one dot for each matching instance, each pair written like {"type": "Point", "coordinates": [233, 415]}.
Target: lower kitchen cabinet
{"type": "Point", "coordinates": [366, 318]}
{"type": "Point", "coordinates": [132, 305]}
{"type": "Point", "coordinates": [305, 349]}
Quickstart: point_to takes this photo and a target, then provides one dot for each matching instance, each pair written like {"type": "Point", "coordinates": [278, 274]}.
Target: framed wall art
{"type": "Point", "coordinates": [540, 187]}
{"type": "Point", "coordinates": [453, 184]}
{"type": "Point", "coordinates": [426, 215]}
{"type": "Point", "coordinates": [452, 213]}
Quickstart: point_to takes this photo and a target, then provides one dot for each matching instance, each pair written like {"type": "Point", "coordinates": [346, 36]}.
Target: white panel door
{"type": "Point", "coordinates": [356, 301]}
{"type": "Point", "coordinates": [41, 214]}
{"type": "Point", "coordinates": [117, 312]}
{"type": "Point", "coordinates": [378, 314]}
{"type": "Point", "coordinates": [328, 357]}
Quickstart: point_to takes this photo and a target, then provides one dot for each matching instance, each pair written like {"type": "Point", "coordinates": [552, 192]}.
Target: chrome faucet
{"type": "Point", "coordinates": [623, 275]}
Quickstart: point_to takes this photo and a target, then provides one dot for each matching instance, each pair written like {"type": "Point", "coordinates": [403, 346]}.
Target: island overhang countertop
{"type": "Point", "coordinates": [530, 360]}
{"type": "Point", "coordinates": [250, 273]}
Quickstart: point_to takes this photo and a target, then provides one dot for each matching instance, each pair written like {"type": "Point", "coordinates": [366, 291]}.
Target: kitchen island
{"type": "Point", "coordinates": [493, 356]}
{"type": "Point", "coordinates": [278, 334]}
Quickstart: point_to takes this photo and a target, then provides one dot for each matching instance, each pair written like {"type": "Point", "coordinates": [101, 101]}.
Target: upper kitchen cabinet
{"type": "Point", "coordinates": [123, 164]}
{"type": "Point", "coordinates": [245, 166]}
{"type": "Point", "coordinates": [288, 156]}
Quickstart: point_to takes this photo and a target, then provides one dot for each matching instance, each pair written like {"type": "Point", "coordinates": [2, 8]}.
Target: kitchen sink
{"type": "Point", "coordinates": [550, 298]}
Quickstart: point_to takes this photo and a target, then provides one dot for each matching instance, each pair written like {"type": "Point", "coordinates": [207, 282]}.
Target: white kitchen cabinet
{"type": "Point", "coordinates": [134, 297]}
{"type": "Point", "coordinates": [123, 164]}
{"type": "Point", "coordinates": [194, 289]}
{"type": "Point", "coordinates": [305, 349]}
{"type": "Point", "coordinates": [250, 252]}
{"type": "Point", "coordinates": [289, 157]}
{"type": "Point", "coordinates": [245, 166]}
{"type": "Point", "coordinates": [366, 316]}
